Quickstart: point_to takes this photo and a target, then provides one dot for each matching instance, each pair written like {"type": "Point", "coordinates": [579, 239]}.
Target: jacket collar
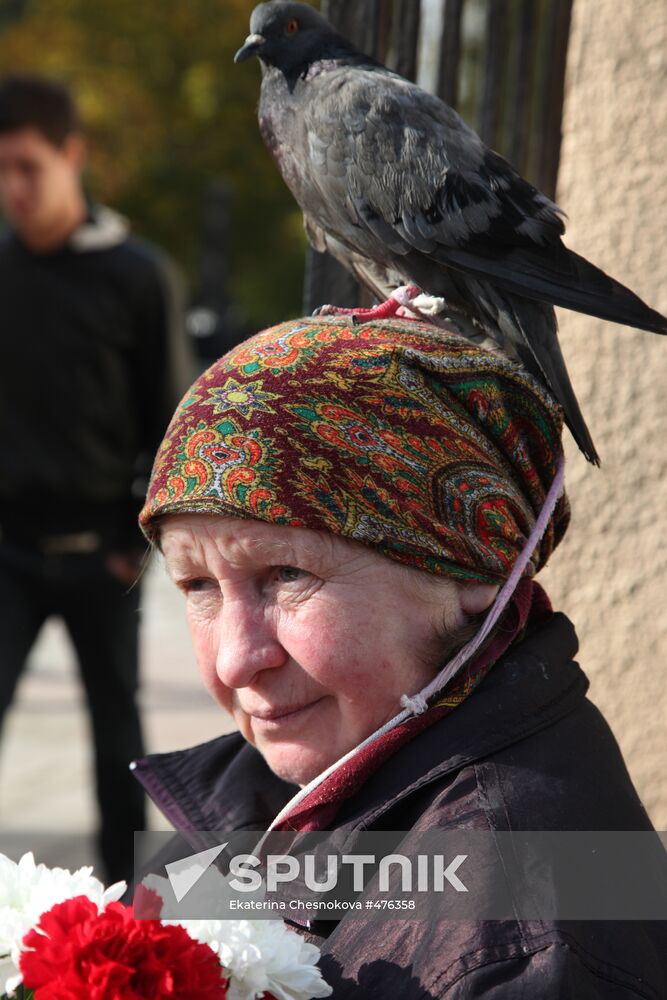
{"type": "Point", "coordinates": [103, 229]}
{"type": "Point", "coordinates": [225, 784]}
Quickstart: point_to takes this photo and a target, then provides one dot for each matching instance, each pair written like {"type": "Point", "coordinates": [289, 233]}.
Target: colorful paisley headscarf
{"type": "Point", "coordinates": [434, 452]}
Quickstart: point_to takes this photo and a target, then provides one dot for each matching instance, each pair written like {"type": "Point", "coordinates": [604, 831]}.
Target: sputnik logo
{"type": "Point", "coordinates": [186, 872]}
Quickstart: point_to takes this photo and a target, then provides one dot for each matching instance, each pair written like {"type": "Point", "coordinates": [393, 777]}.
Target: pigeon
{"type": "Point", "coordinates": [398, 188]}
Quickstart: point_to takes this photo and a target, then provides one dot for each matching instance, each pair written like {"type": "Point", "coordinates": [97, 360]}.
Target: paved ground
{"type": "Point", "coordinates": [46, 799]}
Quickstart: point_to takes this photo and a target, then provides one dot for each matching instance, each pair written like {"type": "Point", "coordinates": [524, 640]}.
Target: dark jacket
{"type": "Point", "coordinates": [92, 363]}
{"type": "Point", "coordinates": [526, 751]}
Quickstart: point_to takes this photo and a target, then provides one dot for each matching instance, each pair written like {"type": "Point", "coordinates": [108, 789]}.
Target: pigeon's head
{"type": "Point", "coordinates": [290, 36]}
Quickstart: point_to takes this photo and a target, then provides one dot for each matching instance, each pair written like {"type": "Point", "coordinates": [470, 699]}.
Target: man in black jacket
{"type": "Point", "coordinates": [92, 361]}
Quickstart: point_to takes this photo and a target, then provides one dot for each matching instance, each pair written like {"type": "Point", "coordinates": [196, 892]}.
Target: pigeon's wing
{"type": "Point", "coordinates": [400, 162]}
{"type": "Point", "coordinates": [409, 175]}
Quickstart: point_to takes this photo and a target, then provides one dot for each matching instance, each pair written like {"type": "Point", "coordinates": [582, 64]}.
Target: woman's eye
{"type": "Point", "coordinates": [197, 585]}
{"type": "Point", "coordinates": [288, 574]}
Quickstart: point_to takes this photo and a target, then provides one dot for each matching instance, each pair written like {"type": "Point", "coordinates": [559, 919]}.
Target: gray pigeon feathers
{"type": "Point", "coordinates": [400, 190]}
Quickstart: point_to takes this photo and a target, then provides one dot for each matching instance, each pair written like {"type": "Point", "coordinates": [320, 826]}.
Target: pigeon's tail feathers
{"type": "Point", "coordinates": [576, 423]}
{"type": "Point", "coordinates": [597, 294]}
{"type": "Point", "coordinates": [563, 278]}
{"type": "Point", "coordinates": [533, 329]}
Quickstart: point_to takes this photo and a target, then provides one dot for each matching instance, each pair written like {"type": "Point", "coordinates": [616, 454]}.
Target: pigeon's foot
{"type": "Point", "coordinates": [398, 304]}
{"type": "Point", "coordinates": [425, 306]}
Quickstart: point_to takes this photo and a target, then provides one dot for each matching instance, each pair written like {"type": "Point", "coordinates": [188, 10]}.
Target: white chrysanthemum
{"type": "Point", "coordinates": [262, 956]}
{"type": "Point", "coordinates": [258, 956]}
{"type": "Point", "coordinates": [28, 890]}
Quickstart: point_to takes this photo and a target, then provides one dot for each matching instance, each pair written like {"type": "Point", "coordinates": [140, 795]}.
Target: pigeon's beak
{"type": "Point", "coordinates": [250, 47]}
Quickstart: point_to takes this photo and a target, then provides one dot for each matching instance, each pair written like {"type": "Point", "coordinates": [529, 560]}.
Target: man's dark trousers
{"type": "Point", "coordinates": [101, 615]}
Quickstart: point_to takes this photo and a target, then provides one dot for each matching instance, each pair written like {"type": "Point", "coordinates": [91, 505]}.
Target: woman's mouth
{"type": "Point", "coordinates": [278, 717]}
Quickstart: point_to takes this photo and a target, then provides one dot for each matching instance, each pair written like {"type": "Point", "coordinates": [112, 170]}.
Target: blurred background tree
{"type": "Point", "coordinates": [168, 115]}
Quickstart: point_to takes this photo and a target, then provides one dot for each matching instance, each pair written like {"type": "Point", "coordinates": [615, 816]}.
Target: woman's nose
{"type": "Point", "coordinates": [247, 644]}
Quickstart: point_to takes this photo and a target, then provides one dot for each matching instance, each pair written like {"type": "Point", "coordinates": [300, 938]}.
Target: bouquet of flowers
{"type": "Point", "coordinates": [63, 936]}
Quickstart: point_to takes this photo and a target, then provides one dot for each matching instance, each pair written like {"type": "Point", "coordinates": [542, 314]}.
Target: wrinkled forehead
{"type": "Point", "coordinates": [240, 541]}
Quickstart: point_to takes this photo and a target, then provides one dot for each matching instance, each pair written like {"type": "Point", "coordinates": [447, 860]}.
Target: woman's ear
{"type": "Point", "coordinates": [477, 597]}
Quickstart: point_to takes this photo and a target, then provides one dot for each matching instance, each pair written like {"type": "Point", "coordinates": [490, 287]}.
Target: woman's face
{"type": "Point", "coordinates": [307, 640]}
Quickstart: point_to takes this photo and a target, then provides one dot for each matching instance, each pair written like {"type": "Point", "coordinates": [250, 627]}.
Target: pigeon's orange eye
{"type": "Point", "coordinates": [292, 27]}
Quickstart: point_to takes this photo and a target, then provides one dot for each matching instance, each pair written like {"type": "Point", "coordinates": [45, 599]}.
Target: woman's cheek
{"type": "Point", "coordinates": [307, 635]}
{"type": "Point", "coordinates": [334, 654]}
{"type": "Point", "coordinates": [204, 631]}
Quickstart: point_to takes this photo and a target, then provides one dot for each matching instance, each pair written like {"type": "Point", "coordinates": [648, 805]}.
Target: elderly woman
{"type": "Point", "coordinates": [355, 515]}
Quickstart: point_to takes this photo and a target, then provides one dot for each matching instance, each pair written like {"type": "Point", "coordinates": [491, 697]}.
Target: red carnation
{"type": "Point", "coordinates": [80, 954]}
{"type": "Point", "coordinates": [147, 903]}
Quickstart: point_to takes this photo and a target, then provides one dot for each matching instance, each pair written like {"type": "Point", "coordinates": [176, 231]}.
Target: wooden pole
{"type": "Point", "coordinates": [553, 94]}
{"type": "Point", "coordinates": [356, 19]}
{"type": "Point", "coordinates": [450, 53]}
{"type": "Point", "coordinates": [403, 53]}
{"type": "Point", "coordinates": [489, 115]}
{"type": "Point", "coordinates": [523, 83]}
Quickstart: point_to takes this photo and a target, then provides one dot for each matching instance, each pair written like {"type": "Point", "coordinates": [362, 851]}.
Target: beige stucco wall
{"type": "Point", "coordinates": [610, 574]}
